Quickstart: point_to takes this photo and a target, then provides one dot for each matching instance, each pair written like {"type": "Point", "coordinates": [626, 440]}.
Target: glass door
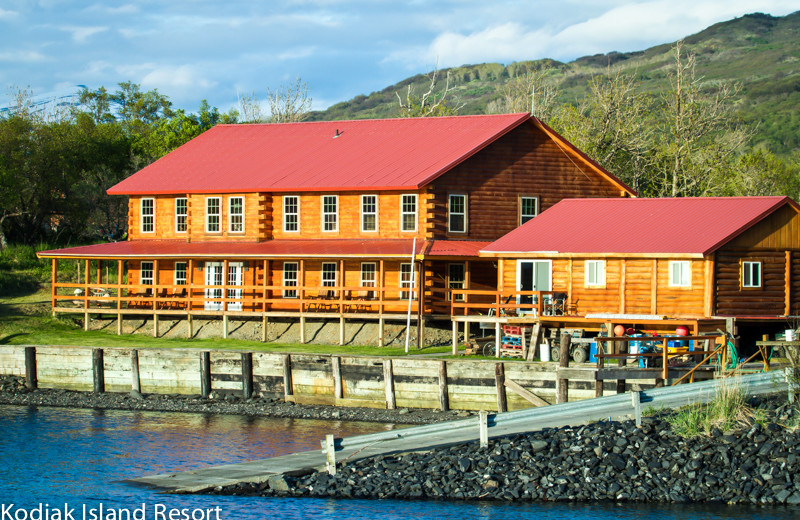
{"type": "Point", "coordinates": [235, 270]}
{"type": "Point", "coordinates": [533, 275]}
{"type": "Point", "coordinates": [213, 277]}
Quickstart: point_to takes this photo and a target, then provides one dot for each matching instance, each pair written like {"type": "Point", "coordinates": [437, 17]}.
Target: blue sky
{"type": "Point", "coordinates": [202, 49]}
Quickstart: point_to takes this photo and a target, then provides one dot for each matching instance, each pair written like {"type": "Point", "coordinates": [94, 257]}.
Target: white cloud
{"type": "Point", "coordinates": [7, 15]}
{"type": "Point", "coordinates": [23, 56]}
{"type": "Point", "coordinates": [82, 34]}
{"type": "Point", "coordinates": [183, 77]}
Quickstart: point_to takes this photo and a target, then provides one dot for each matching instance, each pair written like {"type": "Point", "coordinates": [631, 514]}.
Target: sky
{"type": "Point", "coordinates": [217, 50]}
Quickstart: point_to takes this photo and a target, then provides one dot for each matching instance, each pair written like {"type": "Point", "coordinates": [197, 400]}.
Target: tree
{"type": "Point", "coordinates": [432, 102]}
{"type": "Point", "coordinates": [535, 92]}
{"type": "Point", "coordinates": [289, 103]}
{"type": "Point", "coordinates": [699, 135]}
{"type": "Point", "coordinates": [762, 173]}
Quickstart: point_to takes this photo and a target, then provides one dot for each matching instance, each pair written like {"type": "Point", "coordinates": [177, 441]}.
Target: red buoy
{"type": "Point", "coordinates": [619, 330]}
{"type": "Point", "coordinates": [682, 330]}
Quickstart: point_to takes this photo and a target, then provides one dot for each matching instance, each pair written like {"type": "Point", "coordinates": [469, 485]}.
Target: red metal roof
{"type": "Point", "coordinates": [379, 154]}
{"type": "Point", "coordinates": [456, 247]}
{"type": "Point", "coordinates": [272, 248]}
{"type": "Point", "coordinates": [668, 225]}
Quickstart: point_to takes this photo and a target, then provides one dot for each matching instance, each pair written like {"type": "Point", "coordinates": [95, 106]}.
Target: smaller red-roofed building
{"type": "Point", "coordinates": [327, 219]}
{"type": "Point", "coordinates": [629, 261]}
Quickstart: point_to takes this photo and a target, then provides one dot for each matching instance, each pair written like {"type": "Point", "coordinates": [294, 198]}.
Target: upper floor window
{"type": "Point", "coordinates": [680, 273]}
{"type": "Point", "coordinates": [369, 213]}
{"type": "Point", "coordinates": [148, 215]}
{"type": "Point", "coordinates": [330, 213]}
{"type": "Point", "coordinates": [595, 273]}
{"type": "Point", "coordinates": [751, 274]}
{"type": "Point", "coordinates": [236, 215]}
{"type": "Point", "coordinates": [291, 213]}
{"type": "Point", "coordinates": [181, 214]}
{"type": "Point", "coordinates": [408, 212]}
{"type": "Point", "coordinates": [180, 273]}
{"type": "Point", "coordinates": [457, 214]}
{"type": "Point", "coordinates": [213, 214]}
{"type": "Point", "coordinates": [528, 208]}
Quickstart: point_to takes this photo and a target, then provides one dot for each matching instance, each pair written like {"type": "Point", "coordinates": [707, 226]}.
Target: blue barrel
{"type": "Point", "coordinates": [593, 352]}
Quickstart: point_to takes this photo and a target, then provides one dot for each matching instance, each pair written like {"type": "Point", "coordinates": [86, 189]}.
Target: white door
{"type": "Point", "coordinates": [235, 270]}
{"type": "Point", "coordinates": [213, 277]}
{"type": "Point", "coordinates": [533, 275]}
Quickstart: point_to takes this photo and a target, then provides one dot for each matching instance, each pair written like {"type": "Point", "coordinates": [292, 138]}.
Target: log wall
{"type": "Point", "coordinates": [768, 300]}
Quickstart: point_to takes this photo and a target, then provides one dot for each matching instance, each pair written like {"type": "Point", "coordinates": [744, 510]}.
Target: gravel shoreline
{"type": "Point", "coordinates": [604, 461]}
{"type": "Point", "coordinates": [13, 391]}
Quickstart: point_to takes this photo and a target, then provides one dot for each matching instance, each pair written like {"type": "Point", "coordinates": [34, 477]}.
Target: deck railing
{"type": "Point", "coordinates": [467, 302]}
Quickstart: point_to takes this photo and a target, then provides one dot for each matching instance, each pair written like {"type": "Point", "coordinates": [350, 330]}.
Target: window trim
{"type": "Point", "coordinates": [185, 215]}
{"type": "Point", "coordinates": [152, 269]}
{"type": "Point", "coordinates": [335, 214]}
{"type": "Point", "coordinates": [520, 215]}
{"type": "Point", "coordinates": [743, 270]}
{"type": "Point", "coordinates": [218, 215]}
{"type": "Point", "coordinates": [296, 214]}
{"type": "Point", "coordinates": [152, 215]}
{"type": "Point", "coordinates": [290, 293]}
{"type": "Point", "coordinates": [363, 213]}
{"type": "Point", "coordinates": [185, 270]}
{"type": "Point", "coordinates": [601, 281]}
{"type": "Point", "coordinates": [231, 214]}
{"type": "Point", "coordinates": [450, 213]}
{"type": "Point", "coordinates": [677, 283]}
{"type": "Point", "coordinates": [374, 281]}
{"type": "Point", "coordinates": [404, 213]}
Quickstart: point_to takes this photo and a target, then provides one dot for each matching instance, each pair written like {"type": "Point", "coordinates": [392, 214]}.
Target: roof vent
{"type": "Point", "coordinates": [337, 134]}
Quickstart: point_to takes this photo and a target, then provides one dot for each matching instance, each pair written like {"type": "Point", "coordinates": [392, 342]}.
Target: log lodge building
{"type": "Point", "coordinates": [386, 219]}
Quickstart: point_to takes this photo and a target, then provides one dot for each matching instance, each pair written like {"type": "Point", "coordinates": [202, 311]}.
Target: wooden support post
{"type": "Point", "coordinates": [53, 288]}
{"type": "Point", "coordinates": [98, 371]}
{"type": "Point", "coordinates": [155, 325]}
{"type": "Point", "coordinates": [288, 386]}
{"type": "Point", "coordinates": [636, 400]}
{"type": "Point", "coordinates": [621, 347]}
{"type": "Point", "coordinates": [86, 319]}
{"type": "Point", "coordinates": [388, 380]}
{"type": "Point", "coordinates": [604, 347]}
{"type": "Point", "coordinates": [525, 394]}
{"type": "Point", "coordinates": [664, 361]}
{"type": "Point", "coordinates": [500, 385]}
{"type": "Point", "coordinates": [136, 382]}
{"type": "Point", "coordinates": [562, 384]}
{"type": "Point", "coordinates": [247, 375]}
{"type": "Point", "coordinates": [455, 338]}
{"type": "Point", "coordinates": [190, 326]}
{"type": "Point", "coordinates": [330, 455]}
{"type": "Point", "coordinates": [483, 428]}
{"type": "Point", "coordinates": [421, 326]}
{"type": "Point", "coordinates": [535, 333]}
{"type": "Point", "coordinates": [444, 396]}
{"type": "Point", "coordinates": [119, 322]}
{"type": "Point", "coordinates": [31, 379]}
{"type": "Point", "coordinates": [497, 338]}
{"type": "Point", "coordinates": [302, 329]}
{"type": "Point", "coordinates": [341, 330]}
{"type": "Point", "coordinates": [264, 324]}
{"type": "Point", "coordinates": [466, 332]}
{"type": "Point", "coordinates": [336, 368]}
{"type": "Point", "coordinates": [380, 331]}
{"type": "Point", "coordinates": [205, 374]}
{"type": "Point", "coordinates": [225, 326]}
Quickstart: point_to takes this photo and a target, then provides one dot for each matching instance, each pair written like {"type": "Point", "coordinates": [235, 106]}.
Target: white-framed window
{"type": "Point", "coordinates": [180, 273]}
{"type": "Point", "coordinates": [751, 274]}
{"type": "Point", "coordinates": [146, 273]}
{"type": "Point", "coordinates": [456, 278]}
{"type": "Point", "coordinates": [290, 271]}
{"type": "Point", "coordinates": [329, 274]}
{"type": "Point", "coordinates": [408, 212]}
{"type": "Point", "coordinates": [291, 213]}
{"type": "Point", "coordinates": [181, 214]}
{"type": "Point", "coordinates": [330, 213]}
{"type": "Point", "coordinates": [236, 215]}
{"type": "Point", "coordinates": [369, 213]}
{"type": "Point", "coordinates": [595, 273]}
{"type": "Point", "coordinates": [457, 213]}
{"type": "Point", "coordinates": [680, 273]}
{"type": "Point", "coordinates": [407, 281]}
{"type": "Point", "coordinates": [528, 208]}
{"type": "Point", "coordinates": [148, 215]}
{"type": "Point", "coordinates": [213, 214]}
{"type": "Point", "coordinates": [368, 274]}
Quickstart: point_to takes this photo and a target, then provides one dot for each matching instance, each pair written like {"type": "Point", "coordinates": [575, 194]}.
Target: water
{"type": "Point", "coordinates": [74, 458]}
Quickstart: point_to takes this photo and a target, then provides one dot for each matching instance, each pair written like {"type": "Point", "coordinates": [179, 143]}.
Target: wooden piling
{"type": "Point", "coordinates": [336, 368]}
{"type": "Point", "coordinates": [388, 379]}
{"type": "Point", "coordinates": [205, 374]}
{"type": "Point", "coordinates": [136, 384]}
{"type": "Point", "coordinates": [247, 375]}
{"type": "Point", "coordinates": [288, 387]}
{"type": "Point", "coordinates": [31, 380]}
{"type": "Point", "coordinates": [190, 326]}
{"type": "Point", "coordinates": [562, 384]}
{"type": "Point", "coordinates": [330, 454]}
{"type": "Point", "coordinates": [535, 333]}
{"type": "Point", "coordinates": [444, 396]}
{"type": "Point", "coordinates": [98, 371]}
{"type": "Point", "coordinates": [500, 384]}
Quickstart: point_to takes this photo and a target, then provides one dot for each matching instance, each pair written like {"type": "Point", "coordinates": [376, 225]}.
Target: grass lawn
{"type": "Point", "coordinates": [25, 319]}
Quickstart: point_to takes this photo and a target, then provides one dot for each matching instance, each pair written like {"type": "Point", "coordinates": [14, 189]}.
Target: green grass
{"type": "Point", "coordinates": [726, 412]}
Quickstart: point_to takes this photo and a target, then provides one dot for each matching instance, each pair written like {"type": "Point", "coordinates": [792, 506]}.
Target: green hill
{"type": "Point", "coordinates": [758, 51]}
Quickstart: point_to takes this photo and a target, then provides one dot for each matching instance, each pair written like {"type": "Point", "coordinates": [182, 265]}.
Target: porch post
{"type": "Point", "coordinates": [155, 296]}
{"type": "Point", "coordinates": [86, 294]}
{"type": "Point", "coordinates": [420, 301]}
{"type": "Point", "coordinates": [381, 285]}
{"type": "Point", "coordinates": [264, 290]}
{"type": "Point", "coordinates": [54, 281]}
{"type": "Point", "coordinates": [302, 296]}
{"type": "Point", "coordinates": [225, 289]}
{"type": "Point", "coordinates": [119, 297]}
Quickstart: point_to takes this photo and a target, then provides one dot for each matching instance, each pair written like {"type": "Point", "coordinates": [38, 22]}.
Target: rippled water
{"type": "Point", "coordinates": [77, 457]}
